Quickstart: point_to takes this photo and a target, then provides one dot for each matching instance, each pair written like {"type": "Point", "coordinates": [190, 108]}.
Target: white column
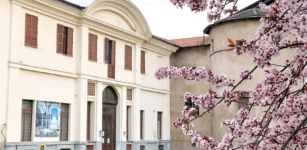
{"type": "Point", "coordinates": [80, 111]}
{"type": "Point", "coordinates": [123, 114]}
{"type": "Point", "coordinates": [137, 66]}
{"type": "Point", "coordinates": [14, 107]}
{"type": "Point", "coordinates": [98, 114]}
{"type": "Point", "coordinates": [136, 114]}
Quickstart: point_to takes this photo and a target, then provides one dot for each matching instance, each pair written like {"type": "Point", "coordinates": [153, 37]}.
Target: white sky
{"type": "Point", "coordinates": [166, 21]}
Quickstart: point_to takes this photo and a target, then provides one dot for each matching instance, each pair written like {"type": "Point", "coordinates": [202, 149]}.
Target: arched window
{"type": "Point", "coordinates": [109, 95]}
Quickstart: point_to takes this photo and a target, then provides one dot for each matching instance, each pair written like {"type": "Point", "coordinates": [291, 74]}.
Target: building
{"type": "Point", "coordinates": [215, 56]}
{"type": "Point", "coordinates": [81, 78]}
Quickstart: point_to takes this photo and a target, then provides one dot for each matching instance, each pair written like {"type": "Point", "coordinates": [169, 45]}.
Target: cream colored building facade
{"type": "Point", "coordinates": [40, 73]}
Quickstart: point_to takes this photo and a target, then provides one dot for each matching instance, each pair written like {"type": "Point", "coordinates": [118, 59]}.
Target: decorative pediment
{"type": "Point", "coordinates": [120, 13]}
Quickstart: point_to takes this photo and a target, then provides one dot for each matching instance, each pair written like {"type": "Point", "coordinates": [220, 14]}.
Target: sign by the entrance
{"type": "Point", "coordinates": [101, 133]}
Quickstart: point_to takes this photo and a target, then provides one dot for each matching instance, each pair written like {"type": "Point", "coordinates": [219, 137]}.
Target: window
{"type": "Point", "coordinates": [88, 123]}
{"type": "Point", "coordinates": [161, 147]}
{"type": "Point", "coordinates": [127, 124]}
{"type": "Point", "coordinates": [110, 51]}
{"type": "Point", "coordinates": [190, 104]}
{"type": "Point", "coordinates": [128, 57]}
{"type": "Point", "coordinates": [65, 40]}
{"type": "Point", "coordinates": [141, 124]}
{"type": "Point", "coordinates": [31, 30]}
{"type": "Point", "coordinates": [129, 94]}
{"type": "Point", "coordinates": [89, 147]}
{"type": "Point", "coordinates": [159, 125]}
{"type": "Point", "coordinates": [128, 147]}
{"type": "Point", "coordinates": [91, 89]}
{"type": "Point", "coordinates": [142, 147]}
{"type": "Point", "coordinates": [243, 102]}
{"type": "Point", "coordinates": [64, 122]}
{"type": "Point", "coordinates": [212, 46]}
{"type": "Point", "coordinates": [276, 39]}
{"type": "Point", "coordinates": [143, 62]}
{"type": "Point", "coordinates": [92, 47]}
{"type": "Point", "coordinates": [26, 120]}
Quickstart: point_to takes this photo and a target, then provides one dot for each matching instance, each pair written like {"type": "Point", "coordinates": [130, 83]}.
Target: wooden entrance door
{"type": "Point", "coordinates": [109, 127]}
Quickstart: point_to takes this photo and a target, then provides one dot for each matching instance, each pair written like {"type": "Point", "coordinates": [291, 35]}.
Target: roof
{"type": "Point", "coordinates": [185, 42]}
{"type": "Point", "coordinates": [250, 14]}
{"type": "Point", "coordinates": [71, 4]}
{"type": "Point", "coordinates": [256, 4]}
{"type": "Point", "coordinates": [164, 40]}
{"type": "Point", "coordinates": [194, 41]}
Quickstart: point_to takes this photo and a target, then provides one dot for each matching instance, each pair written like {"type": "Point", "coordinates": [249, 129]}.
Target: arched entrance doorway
{"type": "Point", "coordinates": [110, 100]}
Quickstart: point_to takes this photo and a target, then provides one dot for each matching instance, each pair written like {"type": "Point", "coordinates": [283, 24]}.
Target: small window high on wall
{"type": "Point", "coordinates": [31, 30]}
{"type": "Point", "coordinates": [91, 89]}
{"type": "Point", "coordinates": [64, 40]}
{"type": "Point", "coordinates": [110, 52]}
{"type": "Point", "coordinates": [26, 120]}
{"type": "Point", "coordinates": [129, 94]}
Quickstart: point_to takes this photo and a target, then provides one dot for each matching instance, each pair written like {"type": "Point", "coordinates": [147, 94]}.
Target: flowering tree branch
{"type": "Point", "coordinates": [281, 91]}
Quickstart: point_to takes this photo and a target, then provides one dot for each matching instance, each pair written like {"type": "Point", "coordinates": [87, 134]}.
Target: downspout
{"type": "Point", "coordinates": [4, 126]}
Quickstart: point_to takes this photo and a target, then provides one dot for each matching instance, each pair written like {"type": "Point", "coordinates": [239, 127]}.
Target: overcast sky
{"type": "Point", "coordinates": [167, 21]}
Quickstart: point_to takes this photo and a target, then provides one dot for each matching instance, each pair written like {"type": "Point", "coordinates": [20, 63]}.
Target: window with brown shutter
{"type": "Point", "coordinates": [129, 94]}
{"type": "Point", "coordinates": [106, 50]}
{"type": "Point", "coordinates": [31, 30]}
{"type": "Point", "coordinates": [65, 40]}
{"type": "Point", "coordinates": [111, 64]}
{"type": "Point", "coordinates": [64, 122]}
{"type": "Point", "coordinates": [26, 120]}
{"type": "Point", "coordinates": [143, 62]}
{"type": "Point", "coordinates": [92, 47]}
{"type": "Point", "coordinates": [128, 57]}
{"type": "Point", "coordinates": [91, 89]}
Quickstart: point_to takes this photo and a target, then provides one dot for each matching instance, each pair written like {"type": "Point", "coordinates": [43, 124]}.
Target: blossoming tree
{"type": "Point", "coordinates": [282, 92]}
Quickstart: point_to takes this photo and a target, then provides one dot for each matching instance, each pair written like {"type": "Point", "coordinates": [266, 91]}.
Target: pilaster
{"type": "Point", "coordinates": [123, 114]}
{"type": "Point", "coordinates": [166, 118]}
{"type": "Point", "coordinates": [80, 112]}
{"type": "Point", "coordinates": [82, 49]}
{"type": "Point", "coordinates": [137, 76]}
{"type": "Point", "coordinates": [14, 106]}
{"type": "Point", "coordinates": [98, 118]}
{"type": "Point", "coordinates": [136, 114]}
{"type": "Point", "coordinates": [16, 32]}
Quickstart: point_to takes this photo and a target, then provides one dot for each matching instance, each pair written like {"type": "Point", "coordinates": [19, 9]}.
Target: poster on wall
{"type": "Point", "coordinates": [47, 119]}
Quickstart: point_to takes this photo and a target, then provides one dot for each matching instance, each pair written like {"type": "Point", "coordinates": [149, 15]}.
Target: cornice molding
{"type": "Point", "coordinates": [159, 46]}
{"type": "Point", "coordinates": [85, 76]}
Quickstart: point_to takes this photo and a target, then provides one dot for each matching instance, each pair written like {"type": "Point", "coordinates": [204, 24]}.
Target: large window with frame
{"type": "Point", "coordinates": [159, 125]}
{"type": "Point", "coordinates": [26, 120]}
{"type": "Point", "coordinates": [128, 57]}
{"type": "Point", "coordinates": [64, 122]}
